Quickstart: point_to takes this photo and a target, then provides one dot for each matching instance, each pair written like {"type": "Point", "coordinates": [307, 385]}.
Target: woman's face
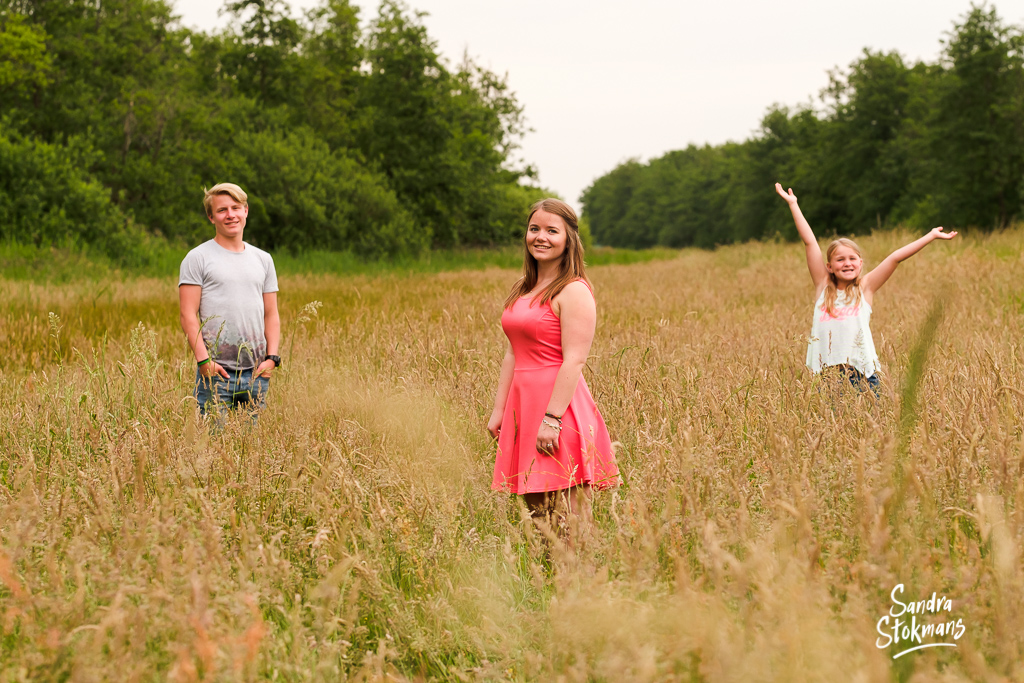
{"type": "Point", "coordinates": [546, 236]}
{"type": "Point", "coordinates": [845, 264]}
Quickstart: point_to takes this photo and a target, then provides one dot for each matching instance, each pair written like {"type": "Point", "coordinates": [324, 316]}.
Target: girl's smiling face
{"type": "Point", "coordinates": [546, 236]}
{"type": "Point", "coordinates": [845, 264]}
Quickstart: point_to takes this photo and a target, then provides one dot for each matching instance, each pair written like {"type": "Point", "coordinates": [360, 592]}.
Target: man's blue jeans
{"type": "Point", "coordinates": [217, 395]}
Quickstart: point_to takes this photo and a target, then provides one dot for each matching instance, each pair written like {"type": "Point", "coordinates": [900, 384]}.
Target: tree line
{"type": "Point", "coordinates": [347, 136]}
{"type": "Point", "coordinates": [888, 143]}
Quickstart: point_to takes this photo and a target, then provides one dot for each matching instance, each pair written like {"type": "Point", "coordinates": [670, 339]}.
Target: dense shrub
{"type": "Point", "coordinates": [46, 198]}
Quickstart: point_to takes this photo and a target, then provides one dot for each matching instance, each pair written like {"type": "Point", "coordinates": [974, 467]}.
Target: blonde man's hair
{"type": "Point", "coordinates": [230, 189]}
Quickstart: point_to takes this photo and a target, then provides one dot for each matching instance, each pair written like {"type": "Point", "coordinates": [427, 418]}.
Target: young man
{"type": "Point", "coordinates": [227, 291]}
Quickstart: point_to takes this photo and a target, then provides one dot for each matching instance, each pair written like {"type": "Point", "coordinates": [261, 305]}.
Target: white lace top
{"type": "Point", "coordinates": [843, 339]}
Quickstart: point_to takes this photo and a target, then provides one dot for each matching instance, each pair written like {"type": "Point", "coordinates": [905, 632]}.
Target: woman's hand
{"type": "Point", "coordinates": [494, 424]}
{"type": "Point", "coordinates": [938, 234]}
{"type": "Point", "coordinates": [790, 197]}
{"type": "Point", "coordinates": [547, 439]}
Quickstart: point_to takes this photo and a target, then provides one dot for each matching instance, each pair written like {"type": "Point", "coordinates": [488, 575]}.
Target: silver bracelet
{"type": "Point", "coordinates": [557, 428]}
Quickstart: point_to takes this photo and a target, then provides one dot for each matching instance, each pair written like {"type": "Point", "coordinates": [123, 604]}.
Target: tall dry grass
{"type": "Point", "coordinates": [763, 521]}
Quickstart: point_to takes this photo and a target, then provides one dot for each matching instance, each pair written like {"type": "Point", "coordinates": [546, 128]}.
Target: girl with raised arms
{"type": "Point", "coordinates": [840, 331]}
{"type": "Point", "coordinates": [551, 437]}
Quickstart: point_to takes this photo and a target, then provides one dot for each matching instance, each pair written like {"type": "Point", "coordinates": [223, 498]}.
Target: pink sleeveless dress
{"type": "Point", "coordinates": [584, 454]}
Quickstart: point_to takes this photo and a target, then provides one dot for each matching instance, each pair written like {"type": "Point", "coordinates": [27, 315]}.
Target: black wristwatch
{"type": "Point", "coordinates": [276, 359]}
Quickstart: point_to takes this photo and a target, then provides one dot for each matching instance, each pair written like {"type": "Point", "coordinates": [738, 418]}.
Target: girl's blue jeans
{"type": "Point", "coordinates": [857, 378]}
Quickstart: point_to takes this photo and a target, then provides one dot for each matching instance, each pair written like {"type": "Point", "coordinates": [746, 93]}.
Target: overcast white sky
{"type": "Point", "coordinates": [604, 80]}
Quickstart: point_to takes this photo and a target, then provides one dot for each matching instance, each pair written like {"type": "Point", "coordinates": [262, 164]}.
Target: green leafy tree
{"type": "Point", "coordinates": [263, 59]}
{"type": "Point", "coordinates": [860, 155]}
{"type": "Point", "coordinates": [46, 199]}
{"type": "Point", "coordinates": [922, 145]}
{"type": "Point", "coordinates": [605, 204]}
{"type": "Point", "coordinates": [977, 126]}
{"type": "Point", "coordinates": [441, 138]}
{"type": "Point", "coordinates": [329, 81]}
{"type": "Point", "coordinates": [25, 64]}
{"type": "Point", "coordinates": [346, 138]}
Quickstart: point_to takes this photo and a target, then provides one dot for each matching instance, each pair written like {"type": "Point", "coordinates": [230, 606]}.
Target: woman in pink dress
{"type": "Point", "coordinates": [551, 437]}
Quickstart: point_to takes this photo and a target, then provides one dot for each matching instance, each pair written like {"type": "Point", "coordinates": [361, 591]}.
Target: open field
{"type": "Point", "coordinates": [763, 522]}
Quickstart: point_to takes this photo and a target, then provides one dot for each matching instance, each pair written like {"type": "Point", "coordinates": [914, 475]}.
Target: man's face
{"type": "Point", "coordinates": [228, 216]}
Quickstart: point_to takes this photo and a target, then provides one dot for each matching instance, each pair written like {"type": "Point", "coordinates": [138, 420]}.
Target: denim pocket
{"type": "Point", "coordinates": [259, 389]}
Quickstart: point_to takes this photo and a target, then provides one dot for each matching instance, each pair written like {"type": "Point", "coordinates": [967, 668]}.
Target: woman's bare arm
{"type": "Point", "coordinates": [508, 368]}
{"type": "Point", "coordinates": [578, 315]}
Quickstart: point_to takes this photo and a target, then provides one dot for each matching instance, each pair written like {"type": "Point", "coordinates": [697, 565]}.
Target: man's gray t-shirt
{"type": "Point", "coordinates": [231, 305]}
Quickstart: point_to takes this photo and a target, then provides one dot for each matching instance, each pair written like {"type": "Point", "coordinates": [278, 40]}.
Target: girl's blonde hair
{"type": "Point", "coordinates": [571, 267]}
{"type": "Point", "coordinates": [853, 294]}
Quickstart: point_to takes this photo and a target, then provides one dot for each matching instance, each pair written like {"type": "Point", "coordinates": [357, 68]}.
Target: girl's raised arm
{"type": "Point", "coordinates": [877, 277]}
{"type": "Point", "coordinates": [815, 263]}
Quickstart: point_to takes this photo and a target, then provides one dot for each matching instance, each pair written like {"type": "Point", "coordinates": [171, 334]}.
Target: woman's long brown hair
{"type": "Point", "coordinates": [571, 267]}
{"type": "Point", "coordinates": [853, 293]}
